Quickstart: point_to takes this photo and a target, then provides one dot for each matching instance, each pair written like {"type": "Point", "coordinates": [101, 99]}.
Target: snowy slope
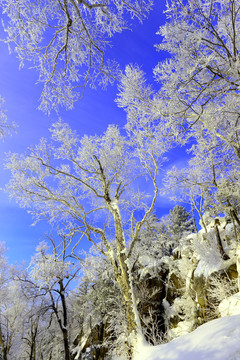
{"type": "Point", "coordinates": [216, 340]}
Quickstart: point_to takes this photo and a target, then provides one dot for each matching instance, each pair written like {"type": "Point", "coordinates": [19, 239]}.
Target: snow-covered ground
{"type": "Point", "coordinates": [216, 340]}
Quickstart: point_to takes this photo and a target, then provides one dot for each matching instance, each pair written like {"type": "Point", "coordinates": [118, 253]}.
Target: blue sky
{"type": "Point", "coordinates": [91, 115]}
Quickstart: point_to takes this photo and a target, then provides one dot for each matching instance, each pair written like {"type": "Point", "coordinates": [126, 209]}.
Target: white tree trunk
{"type": "Point", "coordinates": [238, 264]}
{"type": "Point", "coordinates": [124, 279]}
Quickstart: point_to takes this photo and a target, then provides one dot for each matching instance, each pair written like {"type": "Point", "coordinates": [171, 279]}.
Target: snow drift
{"type": "Point", "coordinates": [216, 340]}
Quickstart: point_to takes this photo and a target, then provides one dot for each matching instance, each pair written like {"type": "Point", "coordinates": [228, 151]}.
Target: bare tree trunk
{"type": "Point", "coordinates": [34, 330]}
{"type": "Point", "coordinates": [5, 357]}
{"type": "Point", "coordinates": [62, 323]}
{"type": "Point", "coordinates": [194, 218]}
{"type": "Point", "coordinates": [234, 215]}
{"type": "Point", "coordinates": [33, 350]}
{"type": "Point", "coordinates": [3, 346]}
{"type": "Point", "coordinates": [224, 255]}
{"type": "Point", "coordinates": [65, 323]}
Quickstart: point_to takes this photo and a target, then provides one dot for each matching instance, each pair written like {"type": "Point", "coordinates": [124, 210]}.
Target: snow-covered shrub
{"type": "Point", "coordinates": [220, 288]}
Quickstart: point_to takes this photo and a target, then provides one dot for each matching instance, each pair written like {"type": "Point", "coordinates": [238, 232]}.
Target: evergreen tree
{"type": "Point", "coordinates": [180, 222]}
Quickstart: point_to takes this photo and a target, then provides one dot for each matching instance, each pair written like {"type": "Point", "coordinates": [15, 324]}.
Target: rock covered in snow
{"type": "Point", "coordinates": [230, 306]}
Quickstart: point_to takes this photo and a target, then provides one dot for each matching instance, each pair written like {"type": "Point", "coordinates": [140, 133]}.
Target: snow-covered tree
{"type": "Point", "coordinates": [66, 41]}
{"type": "Point", "coordinates": [12, 305]}
{"type": "Point", "coordinates": [89, 184]}
{"type": "Point", "coordinates": [5, 126]}
{"type": "Point", "coordinates": [3, 119]}
{"type": "Point", "coordinates": [180, 222]}
{"type": "Point", "coordinates": [201, 80]}
{"type": "Point", "coordinates": [210, 182]}
{"type": "Point", "coordinates": [51, 275]}
{"type": "Point", "coordinates": [32, 329]}
{"type": "Point", "coordinates": [11, 321]}
{"type": "Point", "coordinates": [197, 98]}
{"type": "Point", "coordinates": [99, 324]}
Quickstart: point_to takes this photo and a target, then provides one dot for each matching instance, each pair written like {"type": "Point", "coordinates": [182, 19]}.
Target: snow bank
{"type": "Point", "coordinates": [216, 340]}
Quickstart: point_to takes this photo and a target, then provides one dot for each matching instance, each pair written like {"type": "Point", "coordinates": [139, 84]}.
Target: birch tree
{"type": "Point", "coordinates": [66, 41]}
{"type": "Point", "coordinates": [90, 184]}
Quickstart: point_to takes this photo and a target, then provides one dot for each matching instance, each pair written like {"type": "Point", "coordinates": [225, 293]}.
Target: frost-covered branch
{"type": "Point", "coordinates": [66, 41]}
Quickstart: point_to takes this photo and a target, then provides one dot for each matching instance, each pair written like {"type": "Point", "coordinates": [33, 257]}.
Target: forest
{"type": "Point", "coordinates": [142, 278]}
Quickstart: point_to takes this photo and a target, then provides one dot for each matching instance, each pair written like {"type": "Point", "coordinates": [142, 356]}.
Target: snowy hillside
{"type": "Point", "coordinates": [216, 340]}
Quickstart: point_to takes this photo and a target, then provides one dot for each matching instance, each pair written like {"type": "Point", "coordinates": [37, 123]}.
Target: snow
{"type": "Point", "coordinates": [149, 265]}
{"type": "Point", "coordinates": [206, 268]}
{"type": "Point", "coordinates": [114, 205]}
{"type": "Point", "coordinates": [230, 306]}
{"type": "Point", "coordinates": [216, 340]}
{"type": "Point", "coordinates": [206, 249]}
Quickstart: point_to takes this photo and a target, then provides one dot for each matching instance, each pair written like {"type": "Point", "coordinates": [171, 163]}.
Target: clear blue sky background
{"type": "Point", "coordinates": [90, 115]}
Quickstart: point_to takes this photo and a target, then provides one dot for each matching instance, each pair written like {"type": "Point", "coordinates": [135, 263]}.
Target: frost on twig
{"type": "Point", "coordinates": [5, 127]}
{"type": "Point", "coordinates": [66, 41]}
